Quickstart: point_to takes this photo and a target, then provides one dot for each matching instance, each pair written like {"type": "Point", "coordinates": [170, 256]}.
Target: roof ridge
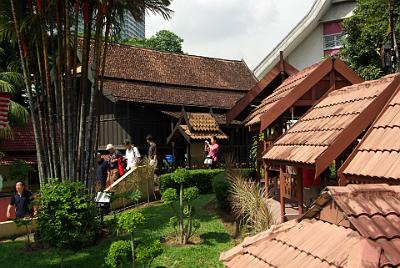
{"type": "Point", "coordinates": [374, 214]}
{"type": "Point", "coordinates": [177, 54]}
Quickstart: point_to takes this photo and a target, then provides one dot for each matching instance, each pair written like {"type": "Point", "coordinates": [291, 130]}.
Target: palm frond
{"type": "Point", "coordinates": [13, 78]}
{"type": "Point", "coordinates": [18, 114]}
{"type": "Point", "coordinates": [6, 133]}
{"type": "Point", "coordinates": [6, 87]}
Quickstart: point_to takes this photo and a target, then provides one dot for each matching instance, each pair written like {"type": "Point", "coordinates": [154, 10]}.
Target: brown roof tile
{"type": "Point", "coordinates": [139, 64]}
{"type": "Point", "coordinates": [373, 211]}
{"type": "Point", "coordinates": [198, 126]}
{"type": "Point", "coordinates": [378, 154]}
{"type": "Point", "coordinates": [23, 140]}
{"type": "Point", "coordinates": [171, 95]}
{"type": "Point", "coordinates": [372, 241]}
{"type": "Point", "coordinates": [283, 90]}
{"type": "Point", "coordinates": [310, 243]}
{"type": "Point", "coordinates": [323, 124]}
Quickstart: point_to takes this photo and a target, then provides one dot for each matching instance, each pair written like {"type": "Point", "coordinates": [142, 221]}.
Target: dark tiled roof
{"type": "Point", "coordinates": [309, 243]}
{"type": "Point", "coordinates": [320, 127]}
{"type": "Point", "coordinates": [282, 91]}
{"type": "Point", "coordinates": [378, 154]}
{"type": "Point", "coordinates": [171, 95]}
{"type": "Point", "coordinates": [371, 240]}
{"type": "Point", "coordinates": [23, 140]}
{"type": "Point", "coordinates": [138, 64]}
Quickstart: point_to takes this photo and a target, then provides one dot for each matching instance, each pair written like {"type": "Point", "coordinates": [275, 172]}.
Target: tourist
{"type": "Point", "coordinates": [112, 162]}
{"type": "Point", "coordinates": [152, 151]}
{"type": "Point", "coordinates": [212, 151]}
{"type": "Point", "coordinates": [132, 155]}
{"type": "Point", "coordinates": [101, 173]}
{"type": "Point", "coordinates": [21, 201]}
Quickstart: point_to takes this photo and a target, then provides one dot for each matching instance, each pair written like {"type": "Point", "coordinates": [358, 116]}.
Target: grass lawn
{"type": "Point", "coordinates": [213, 233]}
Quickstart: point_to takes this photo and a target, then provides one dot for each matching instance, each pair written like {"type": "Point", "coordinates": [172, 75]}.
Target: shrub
{"type": "Point", "coordinates": [145, 254]}
{"type": "Point", "coordinates": [129, 221]}
{"type": "Point", "coordinates": [183, 222]}
{"type": "Point", "coordinates": [118, 254]}
{"type": "Point", "coordinates": [248, 202]}
{"type": "Point", "coordinates": [200, 178]}
{"type": "Point", "coordinates": [221, 188]}
{"type": "Point", "coordinates": [67, 216]}
{"type": "Point", "coordinates": [249, 173]}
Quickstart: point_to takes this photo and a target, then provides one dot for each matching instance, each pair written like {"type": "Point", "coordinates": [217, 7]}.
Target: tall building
{"type": "Point", "coordinates": [130, 28]}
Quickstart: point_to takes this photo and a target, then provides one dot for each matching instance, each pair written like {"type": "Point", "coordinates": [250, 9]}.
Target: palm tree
{"type": "Point", "coordinates": [65, 110]}
{"type": "Point", "coordinates": [11, 82]}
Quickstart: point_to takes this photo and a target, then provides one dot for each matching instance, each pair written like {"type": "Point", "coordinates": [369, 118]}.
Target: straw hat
{"type": "Point", "coordinates": [109, 146]}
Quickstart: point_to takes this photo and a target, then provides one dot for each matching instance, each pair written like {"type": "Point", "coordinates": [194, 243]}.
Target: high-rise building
{"type": "Point", "coordinates": [130, 28]}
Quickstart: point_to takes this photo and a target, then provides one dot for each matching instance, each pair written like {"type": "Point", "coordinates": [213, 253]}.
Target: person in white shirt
{"type": "Point", "coordinates": [132, 155]}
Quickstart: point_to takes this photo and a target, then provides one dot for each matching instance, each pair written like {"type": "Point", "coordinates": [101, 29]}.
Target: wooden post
{"type": "Point", "coordinates": [299, 173]}
{"type": "Point", "coordinates": [188, 155]}
{"type": "Point", "coordinates": [173, 153]}
{"type": "Point", "coordinates": [282, 199]}
{"type": "Point", "coordinates": [266, 179]}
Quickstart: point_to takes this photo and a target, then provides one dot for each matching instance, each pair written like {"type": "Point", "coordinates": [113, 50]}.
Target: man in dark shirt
{"type": "Point", "coordinates": [21, 200]}
{"type": "Point", "coordinates": [152, 150]}
{"type": "Point", "coordinates": [101, 173]}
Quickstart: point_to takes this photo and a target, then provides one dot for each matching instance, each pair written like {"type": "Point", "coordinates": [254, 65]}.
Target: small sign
{"type": "Point", "coordinates": [102, 197]}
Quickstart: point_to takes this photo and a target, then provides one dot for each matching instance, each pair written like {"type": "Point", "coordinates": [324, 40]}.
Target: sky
{"type": "Point", "coordinates": [231, 29]}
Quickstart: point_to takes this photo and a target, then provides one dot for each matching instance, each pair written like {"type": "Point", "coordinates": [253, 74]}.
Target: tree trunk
{"type": "Point", "coordinates": [29, 92]}
{"type": "Point", "coordinates": [181, 225]}
{"type": "Point", "coordinates": [133, 250]}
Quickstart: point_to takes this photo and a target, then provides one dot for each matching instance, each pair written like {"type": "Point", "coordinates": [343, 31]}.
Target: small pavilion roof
{"type": "Point", "coordinates": [377, 157]}
{"type": "Point", "coordinates": [294, 87]}
{"type": "Point", "coordinates": [197, 126]}
{"type": "Point", "coordinates": [328, 128]}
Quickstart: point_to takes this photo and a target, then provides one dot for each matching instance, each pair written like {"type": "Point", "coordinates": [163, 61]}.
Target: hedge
{"type": "Point", "coordinates": [221, 189]}
{"type": "Point", "coordinates": [200, 178]}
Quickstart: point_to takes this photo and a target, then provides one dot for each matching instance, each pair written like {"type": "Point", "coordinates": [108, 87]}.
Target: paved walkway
{"type": "Point", "coordinates": [275, 207]}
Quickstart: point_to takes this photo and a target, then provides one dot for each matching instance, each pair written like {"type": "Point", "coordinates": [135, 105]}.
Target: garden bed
{"type": "Point", "coordinates": [213, 234]}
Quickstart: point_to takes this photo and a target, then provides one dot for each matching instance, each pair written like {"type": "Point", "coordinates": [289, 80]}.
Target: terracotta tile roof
{"type": "Point", "coordinates": [341, 116]}
{"type": "Point", "coordinates": [373, 210]}
{"type": "Point", "coordinates": [170, 94]}
{"type": "Point", "coordinates": [371, 240]}
{"type": "Point", "coordinates": [261, 87]}
{"type": "Point", "coordinates": [138, 64]}
{"type": "Point", "coordinates": [202, 122]}
{"type": "Point", "coordinates": [202, 135]}
{"type": "Point", "coordinates": [197, 126]}
{"type": "Point", "coordinates": [279, 93]}
{"type": "Point", "coordinates": [309, 243]}
{"type": "Point", "coordinates": [23, 140]}
{"type": "Point", "coordinates": [378, 154]}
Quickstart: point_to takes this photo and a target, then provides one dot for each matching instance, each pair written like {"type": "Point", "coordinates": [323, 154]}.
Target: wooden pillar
{"type": "Point", "coordinates": [282, 199]}
{"type": "Point", "coordinates": [299, 173]}
{"type": "Point", "coordinates": [173, 153]}
{"type": "Point", "coordinates": [266, 179]}
{"type": "Point", "coordinates": [188, 155]}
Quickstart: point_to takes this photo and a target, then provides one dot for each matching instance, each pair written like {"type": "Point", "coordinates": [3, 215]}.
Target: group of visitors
{"type": "Point", "coordinates": [112, 166]}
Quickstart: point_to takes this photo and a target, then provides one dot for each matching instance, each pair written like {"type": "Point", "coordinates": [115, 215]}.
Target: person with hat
{"type": "Point", "coordinates": [112, 173]}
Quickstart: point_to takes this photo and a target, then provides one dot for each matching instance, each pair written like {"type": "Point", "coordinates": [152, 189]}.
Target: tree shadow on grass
{"type": "Point", "coordinates": [211, 238]}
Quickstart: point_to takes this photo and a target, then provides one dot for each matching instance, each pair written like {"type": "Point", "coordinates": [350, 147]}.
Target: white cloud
{"type": "Point", "coordinates": [232, 29]}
